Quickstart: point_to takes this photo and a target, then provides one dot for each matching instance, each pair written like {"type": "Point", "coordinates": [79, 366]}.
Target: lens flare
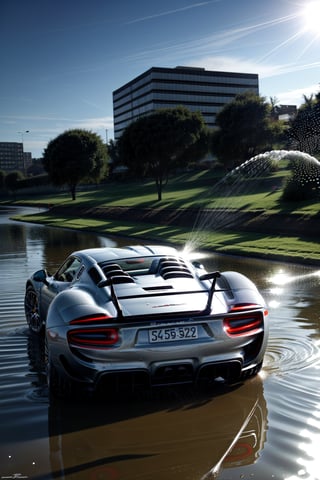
{"type": "Point", "coordinates": [281, 278]}
{"type": "Point", "coordinates": [310, 16]}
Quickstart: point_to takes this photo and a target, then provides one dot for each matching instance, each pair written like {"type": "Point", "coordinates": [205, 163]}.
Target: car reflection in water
{"type": "Point", "coordinates": [183, 436]}
{"type": "Point", "coordinates": [247, 445]}
{"type": "Point", "coordinates": [169, 433]}
{"type": "Point", "coordinates": [164, 434]}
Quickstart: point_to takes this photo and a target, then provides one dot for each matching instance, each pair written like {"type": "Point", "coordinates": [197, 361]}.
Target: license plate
{"type": "Point", "coordinates": [173, 334]}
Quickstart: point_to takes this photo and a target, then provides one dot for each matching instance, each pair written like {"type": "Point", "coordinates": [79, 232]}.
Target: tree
{"type": "Point", "coordinates": [113, 155]}
{"type": "Point", "coordinates": [304, 129]}
{"type": "Point", "coordinates": [75, 156]}
{"type": "Point", "coordinates": [274, 109]}
{"type": "Point", "coordinates": [12, 180]}
{"type": "Point", "coordinates": [36, 168]}
{"type": "Point", "coordinates": [157, 143]}
{"type": "Point", "coordinates": [245, 128]}
{"type": "Point", "coordinates": [304, 181]}
{"type": "Point", "coordinates": [2, 179]}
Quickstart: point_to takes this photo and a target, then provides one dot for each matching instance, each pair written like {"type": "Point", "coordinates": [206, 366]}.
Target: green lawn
{"type": "Point", "coordinates": [196, 189]}
{"type": "Point", "coordinates": [199, 189]}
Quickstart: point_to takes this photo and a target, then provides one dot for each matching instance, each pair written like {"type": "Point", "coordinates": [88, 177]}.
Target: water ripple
{"type": "Point", "coordinates": [287, 354]}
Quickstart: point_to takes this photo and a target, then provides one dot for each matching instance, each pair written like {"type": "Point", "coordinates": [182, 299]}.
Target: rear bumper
{"type": "Point", "coordinates": [199, 363]}
{"type": "Point", "coordinates": [177, 373]}
{"type": "Point", "coordinates": [229, 373]}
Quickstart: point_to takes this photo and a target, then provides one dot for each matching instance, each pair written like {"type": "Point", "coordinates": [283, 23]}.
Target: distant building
{"type": "Point", "coordinates": [11, 156]}
{"type": "Point", "coordinates": [286, 112]}
{"type": "Point", "coordinates": [27, 160]}
{"type": "Point", "coordinates": [196, 88]}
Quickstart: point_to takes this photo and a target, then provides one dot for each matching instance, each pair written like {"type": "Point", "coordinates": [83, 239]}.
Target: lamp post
{"type": "Point", "coordinates": [22, 133]}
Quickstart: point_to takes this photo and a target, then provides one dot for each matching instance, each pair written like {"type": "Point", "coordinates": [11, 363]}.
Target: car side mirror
{"type": "Point", "coordinates": [41, 276]}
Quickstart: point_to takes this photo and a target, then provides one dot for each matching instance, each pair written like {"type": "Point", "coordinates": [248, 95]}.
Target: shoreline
{"type": "Point", "coordinates": [258, 222]}
{"type": "Point", "coordinates": [173, 226]}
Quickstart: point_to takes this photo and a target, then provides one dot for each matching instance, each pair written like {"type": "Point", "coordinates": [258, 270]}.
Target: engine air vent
{"type": "Point", "coordinates": [173, 268]}
{"type": "Point", "coordinates": [115, 273]}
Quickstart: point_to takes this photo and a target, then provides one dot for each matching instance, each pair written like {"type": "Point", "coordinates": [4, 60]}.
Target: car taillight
{"type": "Point", "coordinates": [90, 319]}
{"type": "Point", "coordinates": [238, 307]}
{"type": "Point", "coordinates": [243, 324]}
{"type": "Point", "coordinates": [93, 337]}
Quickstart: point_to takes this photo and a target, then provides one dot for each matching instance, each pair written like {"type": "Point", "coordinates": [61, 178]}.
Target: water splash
{"type": "Point", "coordinates": [303, 171]}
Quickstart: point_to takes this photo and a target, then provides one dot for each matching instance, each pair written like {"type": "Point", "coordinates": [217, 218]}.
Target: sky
{"type": "Point", "coordinates": [62, 59]}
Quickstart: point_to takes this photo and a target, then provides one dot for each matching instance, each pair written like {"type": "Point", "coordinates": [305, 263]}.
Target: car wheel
{"type": "Point", "coordinates": [31, 307]}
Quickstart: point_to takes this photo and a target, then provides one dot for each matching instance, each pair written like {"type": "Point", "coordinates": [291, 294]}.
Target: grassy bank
{"type": "Point", "coordinates": [196, 190]}
{"type": "Point", "coordinates": [239, 243]}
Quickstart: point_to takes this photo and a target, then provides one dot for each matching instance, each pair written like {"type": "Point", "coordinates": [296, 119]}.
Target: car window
{"type": "Point", "coordinates": [132, 265]}
{"type": "Point", "coordinates": [68, 270]}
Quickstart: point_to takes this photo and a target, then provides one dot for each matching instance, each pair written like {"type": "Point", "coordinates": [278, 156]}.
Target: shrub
{"type": "Point", "coordinates": [304, 181]}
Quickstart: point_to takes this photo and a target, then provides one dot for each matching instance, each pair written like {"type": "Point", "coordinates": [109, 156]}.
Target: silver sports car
{"type": "Point", "coordinates": [145, 316]}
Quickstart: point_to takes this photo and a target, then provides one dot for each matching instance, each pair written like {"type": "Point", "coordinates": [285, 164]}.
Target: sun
{"type": "Point", "coordinates": [311, 16]}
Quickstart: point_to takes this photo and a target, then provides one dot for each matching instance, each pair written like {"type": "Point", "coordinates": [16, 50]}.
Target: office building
{"type": "Point", "coordinates": [11, 156]}
{"type": "Point", "coordinates": [195, 88]}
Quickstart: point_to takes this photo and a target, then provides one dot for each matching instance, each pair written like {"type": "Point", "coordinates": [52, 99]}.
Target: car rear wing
{"type": "Point", "coordinates": [120, 279]}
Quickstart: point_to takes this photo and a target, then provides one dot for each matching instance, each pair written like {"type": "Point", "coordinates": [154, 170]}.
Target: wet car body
{"type": "Point", "coordinates": [145, 316]}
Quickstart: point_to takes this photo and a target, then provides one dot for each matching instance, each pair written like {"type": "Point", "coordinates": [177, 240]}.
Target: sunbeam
{"type": "Point", "coordinates": [285, 43]}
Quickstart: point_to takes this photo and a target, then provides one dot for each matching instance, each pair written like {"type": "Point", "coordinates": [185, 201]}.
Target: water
{"type": "Point", "coordinates": [268, 428]}
{"type": "Point", "coordinates": [302, 173]}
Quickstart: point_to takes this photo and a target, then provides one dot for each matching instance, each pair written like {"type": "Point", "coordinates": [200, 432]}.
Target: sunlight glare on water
{"type": "Point", "coordinates": [282, 278]}
{"type": "Point", "coordinates": [308, 462]}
